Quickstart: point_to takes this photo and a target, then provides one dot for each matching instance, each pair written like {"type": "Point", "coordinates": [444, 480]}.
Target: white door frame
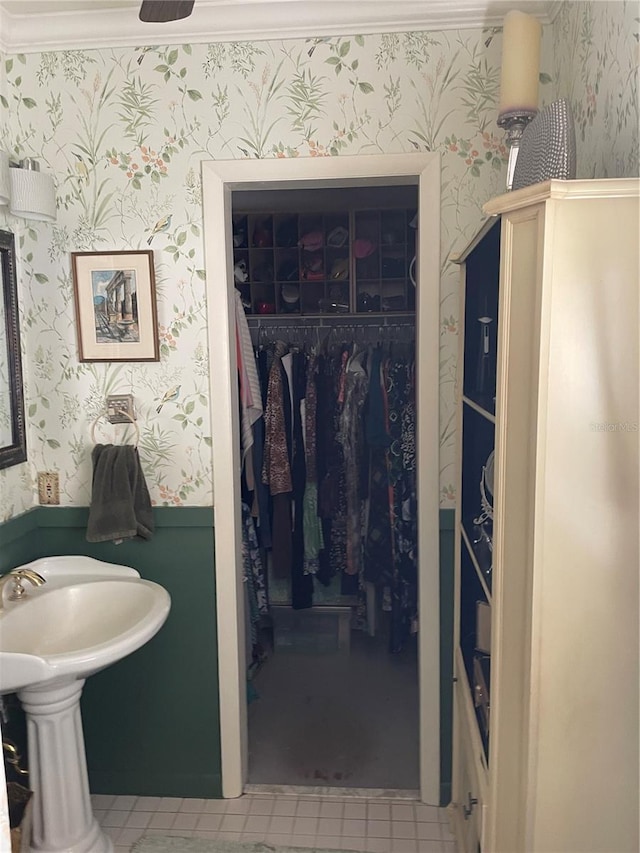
{"type": "Point", "coordinates": [219, 179]}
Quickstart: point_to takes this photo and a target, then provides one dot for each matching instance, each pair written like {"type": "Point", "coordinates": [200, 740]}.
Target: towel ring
{"type": "Point", "coordinates": [125, 415]}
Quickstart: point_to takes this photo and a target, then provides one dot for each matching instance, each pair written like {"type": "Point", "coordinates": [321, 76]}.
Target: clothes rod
{"type": "Point", "coordinates": [364, 334]}
{"type": "Point", "coordinates": [329, 321]}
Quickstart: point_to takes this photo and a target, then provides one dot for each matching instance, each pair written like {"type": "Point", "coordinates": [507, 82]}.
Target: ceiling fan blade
{"type": "Point", "coordinates": [163, 11]}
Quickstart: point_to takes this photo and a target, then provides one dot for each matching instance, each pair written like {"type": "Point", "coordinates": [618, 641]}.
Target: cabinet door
{"type": "Point", "coordinates": [516, 450]}
{"type": "Point", "coordinates": [567, 545]}
{"type": "Point", "coordinates": [469, 791]}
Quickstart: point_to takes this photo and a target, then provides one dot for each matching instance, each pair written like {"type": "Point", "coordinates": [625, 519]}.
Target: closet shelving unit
{"type": "Point", "coordinates": [326, 255]}
{"type": "Point", "coordinates": [545, 732]}
{"type": "Point", "coordinates": [474, 558]}
{"type": "Point", "coordinates": [479, 315]}
{"type": "Point", "coordinates": [367, 237]}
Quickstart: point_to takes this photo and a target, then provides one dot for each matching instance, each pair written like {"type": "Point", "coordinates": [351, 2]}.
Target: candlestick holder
{"type": "Point", "coordinates": [514, 122]}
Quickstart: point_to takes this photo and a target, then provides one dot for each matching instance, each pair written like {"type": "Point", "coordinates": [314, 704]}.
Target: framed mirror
{"type": "Point", "coordinates": [13, 442]}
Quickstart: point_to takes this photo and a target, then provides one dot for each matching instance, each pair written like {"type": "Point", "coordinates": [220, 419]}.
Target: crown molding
{"type": "Point", "coordinates": [244, 20]}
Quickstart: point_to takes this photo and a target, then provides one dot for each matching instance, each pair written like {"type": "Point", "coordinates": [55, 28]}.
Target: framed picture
{"type": "Point", "coordinates": [115, 296]}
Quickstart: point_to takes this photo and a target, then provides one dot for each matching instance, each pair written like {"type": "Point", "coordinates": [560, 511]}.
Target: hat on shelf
{"type": "Point", "coordinates": [290, 293]}
{"type": "Point", "coordinates": [362, 247]}
{"type": "Point", "coordinates": [312, 241]}
{"type": "Point", "coordinates": [340, 269]}
{"type": "Point", "coordinates": [337, 237]}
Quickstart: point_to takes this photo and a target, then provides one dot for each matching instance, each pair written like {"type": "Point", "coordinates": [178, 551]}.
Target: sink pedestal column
{"type": "Point", "coordinates": [62, 816]}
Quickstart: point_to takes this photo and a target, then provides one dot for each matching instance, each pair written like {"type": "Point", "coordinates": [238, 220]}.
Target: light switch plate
{"type": "Point", "coordinates": [48, 488]}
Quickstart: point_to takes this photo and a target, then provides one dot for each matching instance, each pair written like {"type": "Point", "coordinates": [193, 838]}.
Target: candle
{"type": "Point", "coordinates": [520, 62]}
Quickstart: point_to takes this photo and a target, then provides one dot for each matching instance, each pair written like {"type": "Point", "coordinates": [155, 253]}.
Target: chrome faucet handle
{"type": "Point", "coordinates": [16, 577]}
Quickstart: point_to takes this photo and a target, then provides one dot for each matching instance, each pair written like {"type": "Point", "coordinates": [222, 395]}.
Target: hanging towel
{"type": "Point", "coordinates": [250, 395]}
{"type": "Point", "coordinates": [120, 503]}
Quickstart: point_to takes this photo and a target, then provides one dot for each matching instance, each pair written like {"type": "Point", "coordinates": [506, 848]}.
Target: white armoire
{"type": "Point", "coordinates": [546, 641]}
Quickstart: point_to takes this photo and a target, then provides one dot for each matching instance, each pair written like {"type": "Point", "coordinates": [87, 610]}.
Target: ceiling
{"type": "Point", "coordinates": [27, 26]}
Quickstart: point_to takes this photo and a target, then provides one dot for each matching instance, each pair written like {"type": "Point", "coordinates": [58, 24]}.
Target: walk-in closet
{"type": "Point", "coordinates": [325, 292]}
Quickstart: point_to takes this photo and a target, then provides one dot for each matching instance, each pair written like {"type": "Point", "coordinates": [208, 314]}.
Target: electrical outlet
{"type": "Point", "coordinates": [120, 409]}
{"type": "Point", "coordinates": [48, 487]}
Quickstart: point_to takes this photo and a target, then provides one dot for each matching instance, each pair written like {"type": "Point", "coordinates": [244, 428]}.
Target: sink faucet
{"type": "Point", "coordinates": [16, 577]}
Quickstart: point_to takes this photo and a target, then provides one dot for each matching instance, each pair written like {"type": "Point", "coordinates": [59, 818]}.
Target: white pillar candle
{"type": "Point", "coordinates": [520, 62]}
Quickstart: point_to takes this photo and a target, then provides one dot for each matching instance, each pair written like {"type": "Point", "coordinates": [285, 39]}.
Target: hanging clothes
{"type": "Point", "coordinates": [329, 467]}
{"type": "Point", "coordinates": [276, 468]}
{"type": "Point", "coordinates": [378, 548]}
{"type": "Point", "coordinates": [253, 575]}
{"type": "Point", "coordinates": [400, 395]}
{"type": "Point", "coordinates": [250, 395]}
{"type": "Point", "coordinates": [261, 503]}
{"type": "Point", "coordinates": [301, 581]}
{"type": "Point", "coordinates": [312, 527]}
{"type": "Point", "coordinates": [356, 383]}
{"type": "Point", "coordinates": [352, 439]}
{"type": "Point", "coordinates": [338, 463]}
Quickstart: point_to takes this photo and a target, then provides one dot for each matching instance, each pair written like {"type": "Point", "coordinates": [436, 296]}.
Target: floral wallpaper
{"type": "Point", "coordinates": [596, 50]}
{"type": "Point", "coordinates": [124, 132]}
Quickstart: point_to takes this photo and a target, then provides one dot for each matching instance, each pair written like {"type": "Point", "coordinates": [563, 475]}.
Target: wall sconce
{"type": "Point", "coordinates": [519, 82]}
{"type": "Point", "coordinates": [5, 181]}
{"type": "Point", "coordinates": [29, 192]}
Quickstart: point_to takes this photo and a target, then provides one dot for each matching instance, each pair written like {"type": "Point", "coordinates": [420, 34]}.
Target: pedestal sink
{"type": "Point", "coordinates": [87, 615]}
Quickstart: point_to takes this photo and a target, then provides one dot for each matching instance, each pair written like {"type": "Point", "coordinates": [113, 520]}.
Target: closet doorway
{"type": "Point", "coordinates": [220, 181]}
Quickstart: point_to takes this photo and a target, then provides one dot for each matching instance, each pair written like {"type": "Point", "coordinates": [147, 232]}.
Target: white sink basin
{"type": "Point", "coordinates": [76, 630]}
{"type": "Point", "coordinates": [86, 616]}
{"type": "Point", "coordinates": [77, 623]}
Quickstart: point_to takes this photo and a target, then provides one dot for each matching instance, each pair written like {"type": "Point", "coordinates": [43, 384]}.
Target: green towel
{"type": "Point", "coordinates": [120, 503]}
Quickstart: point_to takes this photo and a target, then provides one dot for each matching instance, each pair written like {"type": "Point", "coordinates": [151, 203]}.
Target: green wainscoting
{"type": "Point", "coordinates": [151, 721]}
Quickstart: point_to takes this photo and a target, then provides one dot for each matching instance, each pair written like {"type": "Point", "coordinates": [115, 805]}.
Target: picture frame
{"type": "Point", "coordinates": [115, 301]}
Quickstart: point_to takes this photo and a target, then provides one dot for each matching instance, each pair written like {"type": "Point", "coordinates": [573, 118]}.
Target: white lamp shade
{"type": "Point", "coordinates": [33, 195]}
{"type": "Point", "coordinates": [4, 178]}
{"type": "Point", "coordinates": [520, 62]}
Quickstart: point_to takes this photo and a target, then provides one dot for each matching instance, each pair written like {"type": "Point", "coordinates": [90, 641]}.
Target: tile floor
{"type": "Point", "coordinates": [371, 825]}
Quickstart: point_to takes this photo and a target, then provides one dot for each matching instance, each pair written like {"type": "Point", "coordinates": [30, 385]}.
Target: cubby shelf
{"type": "Point", "coordinates": [490, 416]}
{"type": "Point", "coordinates": [325, 262]}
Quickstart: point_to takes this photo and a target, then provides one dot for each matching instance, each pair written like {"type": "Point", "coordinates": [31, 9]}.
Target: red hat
{"type": "Point", "coordinates": [312, 241]}
{"type": "Point", "coordinates": [362, 247]}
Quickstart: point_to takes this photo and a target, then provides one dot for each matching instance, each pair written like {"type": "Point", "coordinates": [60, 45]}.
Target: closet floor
{"type": "Point", "coordinates": [345, 718]}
